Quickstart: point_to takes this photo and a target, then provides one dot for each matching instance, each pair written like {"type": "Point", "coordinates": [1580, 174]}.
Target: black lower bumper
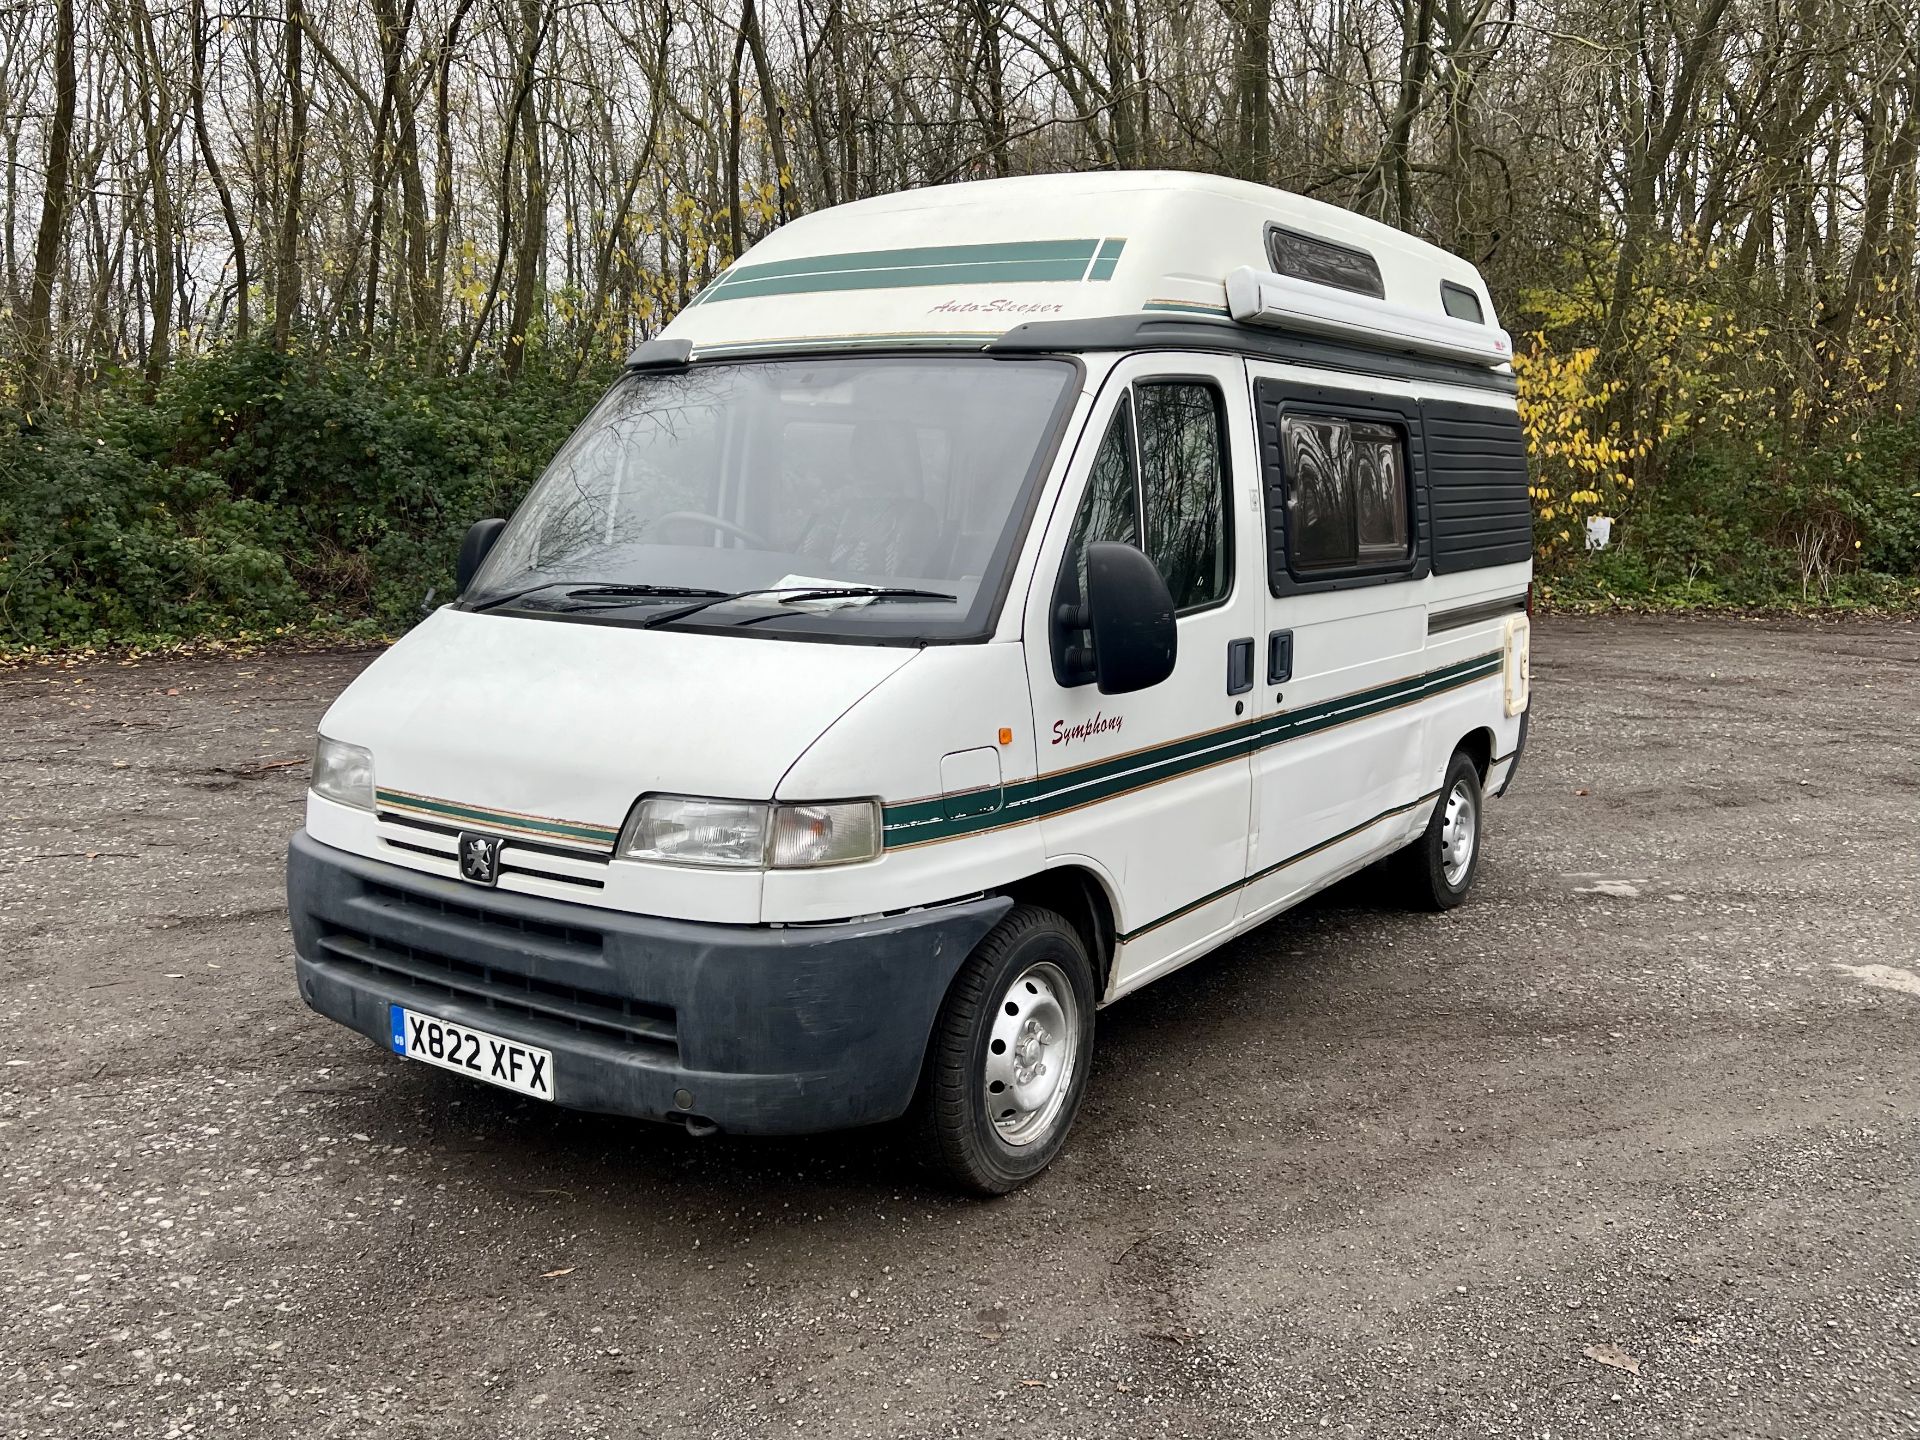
{"type": "Point", "coordinates": [756, 1029]}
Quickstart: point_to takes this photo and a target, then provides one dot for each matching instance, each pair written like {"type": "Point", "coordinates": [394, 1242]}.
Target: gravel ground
{"type": "Point", "coordinates": [1652, 1096]}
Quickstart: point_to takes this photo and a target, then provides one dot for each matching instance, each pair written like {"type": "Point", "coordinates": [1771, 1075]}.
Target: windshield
{"type": "Point", "coordinates": [845, 473]}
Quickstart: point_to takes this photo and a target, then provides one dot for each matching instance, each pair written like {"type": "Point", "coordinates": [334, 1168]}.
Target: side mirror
{"type": "Point", "coordinates": [1129, 611]}
{"type": "Point", "coordinates": [473, 551]}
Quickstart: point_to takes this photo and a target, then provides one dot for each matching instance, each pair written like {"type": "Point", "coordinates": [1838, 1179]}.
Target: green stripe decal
{"type": "Point", "coordinates": [921, 822]}
{"type": "Point", "coordinates": [1005, 263]}
{"type": "Point", "coordinates": [496, 819]}
{"type": "Point", "coordinates": [1106, 259]}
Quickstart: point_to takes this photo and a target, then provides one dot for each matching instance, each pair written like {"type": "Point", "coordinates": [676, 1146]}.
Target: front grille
{"type": "Point", "coordinates": [559, 864]}
{"type": "Point", "coordinates": [427, 975]}
{"type": "Point", "coordinates": [575, 937]}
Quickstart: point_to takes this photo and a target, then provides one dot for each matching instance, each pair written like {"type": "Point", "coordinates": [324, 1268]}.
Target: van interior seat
{"type": "Point", "coordinates": [877, 523]}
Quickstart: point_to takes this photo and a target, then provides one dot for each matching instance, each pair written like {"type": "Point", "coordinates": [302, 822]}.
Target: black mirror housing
{"type": "Point", "coordinates": [473, 551]}
{"type": "Point", "coordinates": [1129, 611]}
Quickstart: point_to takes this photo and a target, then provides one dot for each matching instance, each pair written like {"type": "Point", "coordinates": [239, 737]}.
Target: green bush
{"type": "Point", "coordinates": [258, 490]}
{"type": "Point", "coordinates": [1834, 523]}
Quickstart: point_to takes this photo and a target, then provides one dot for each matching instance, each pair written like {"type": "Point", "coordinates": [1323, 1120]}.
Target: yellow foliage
{"type": "Point", "coordinates": [1695, 362]}
{"type": "Point", "coordinates": [1579, 456]}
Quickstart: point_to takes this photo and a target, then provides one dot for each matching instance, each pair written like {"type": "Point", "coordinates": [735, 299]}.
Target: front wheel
{"type": "Point", "coordinates": [1437, 869]}
{"type": "Point", "coordinates": [1010, 1054]}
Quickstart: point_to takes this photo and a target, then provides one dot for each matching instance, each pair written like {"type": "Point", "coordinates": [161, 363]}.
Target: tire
{"type": "Point", "coordinates": [1432, 873]}
{"type": "Point", "coordinates": [1018, 1016]}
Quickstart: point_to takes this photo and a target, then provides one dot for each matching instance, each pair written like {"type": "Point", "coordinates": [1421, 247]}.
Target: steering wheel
{"type": "Point", "coordinates": [717, 522]}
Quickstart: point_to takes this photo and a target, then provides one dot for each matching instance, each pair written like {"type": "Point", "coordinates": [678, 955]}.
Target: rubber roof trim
{"type": "Point", "coordinates": [1200, 332]}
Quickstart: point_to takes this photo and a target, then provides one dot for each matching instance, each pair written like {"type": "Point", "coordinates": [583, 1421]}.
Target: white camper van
{"type": "Point", "coordinates": [977, 604]}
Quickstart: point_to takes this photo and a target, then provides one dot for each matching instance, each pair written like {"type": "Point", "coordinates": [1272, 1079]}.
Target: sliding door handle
{"type": "Point", "coordinates": [1279, 657]}
{"type": "Point", "coordinates": [1240, 666]}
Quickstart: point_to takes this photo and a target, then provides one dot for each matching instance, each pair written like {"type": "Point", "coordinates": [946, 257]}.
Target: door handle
{"type": "Point", "coordinates": [1240, 666]}
{"type": "Point", "coordinates": [1279, 657]}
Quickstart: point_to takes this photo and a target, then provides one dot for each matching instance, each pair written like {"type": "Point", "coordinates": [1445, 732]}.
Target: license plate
{"type": "Point", "coordinates": [474, 1053]}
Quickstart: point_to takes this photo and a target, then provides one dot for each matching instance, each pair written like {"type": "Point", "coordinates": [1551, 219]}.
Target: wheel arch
{"type": "Point", "coordinates": [1478, 745]}
{"type": "Point", "coordinates": [1080, 895]}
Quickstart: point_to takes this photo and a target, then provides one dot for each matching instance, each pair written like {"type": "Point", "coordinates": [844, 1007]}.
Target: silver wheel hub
{"type": "Point", "coordinates": [1032, 1051]}
{"type": "Point", "coordinates": [1459, 832]}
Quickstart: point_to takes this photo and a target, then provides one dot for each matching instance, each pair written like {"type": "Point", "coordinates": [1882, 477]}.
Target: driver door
{"type": "Point", "coordinates": [1153, 789]}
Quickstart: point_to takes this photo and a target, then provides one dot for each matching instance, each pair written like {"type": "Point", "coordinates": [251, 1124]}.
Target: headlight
{"type": "Point", "coordinates": [686, 830]}
{"type": "Point", "coordinates": [343, 773]}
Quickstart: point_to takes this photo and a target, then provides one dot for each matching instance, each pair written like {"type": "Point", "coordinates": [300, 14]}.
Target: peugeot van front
{"type": "Point", "coordinates": [976, 605]}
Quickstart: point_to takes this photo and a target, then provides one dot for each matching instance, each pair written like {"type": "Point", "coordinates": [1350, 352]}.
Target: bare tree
{"type": "Point", "coordinates": [286, 272]}
{"type": "Point", "coordinates": [37, 323]}
{"type": "Point", "coordinates": [485, 182]}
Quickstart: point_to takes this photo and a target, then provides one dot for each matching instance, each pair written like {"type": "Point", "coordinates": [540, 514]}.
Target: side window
{"type": "Point", "coordinates": [1159, 481]}
{"type": "Point", "coordinates": [1380, 494]}
{"type": "Point", "coordinates": [1461, 303]}
{"type": "Point", "coordinates": [1324, 262]}
{"type": "Point", "coordinates": [1111, 509]}
{"type": "Point", "coordinates": [1319, 506]}
{"type": "Point", "coordinates": [1346, 493]}
{"type": "Point", "coordinates": [1183, 481]}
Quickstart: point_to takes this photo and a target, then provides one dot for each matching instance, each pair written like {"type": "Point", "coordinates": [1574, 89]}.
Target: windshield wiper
{"type": "Point", "coordinates": [867, 592]}
{"type": "Point", "coordinates": [590, 588]}
{"type": "Point", "coordinates": [790, 594]}
{"type": "Point", "coordinates": [875, 593]}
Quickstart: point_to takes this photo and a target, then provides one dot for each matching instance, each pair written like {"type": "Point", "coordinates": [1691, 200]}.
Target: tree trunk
{"type": "Point", "coordinates": [236, 237]}
{"type": "Point", "coordinates": [735, 227]}
{"type": "Point", "coordinates": [156, 106]}
{"type": "Point", "coordinates": [443, 171]}
{"type": "Point", "coordinates": [286, 279]}
{"type": "Point", "coordinates": [1258, 65]}
{"type": "Point", "coordinates": [814, 96]}
{"type": "Point", "coordinates": [534, 16]}
{"type": "Point", "coordinates": [1416, 60]}
{"type": "Point", "coordinates": [770, 102]}
{"type": "Point", "coordinates": [394, 29]}
{"type": "Point", "coordinates": [37, 323]}
{"type": "Point", "coordinates": [1122, 115]}
{"type": "Point", "coordinates": [1649, 153]}
{"type": "Point", "coordinates": [994, 118]}
{"type": "Point", "coordinates": [532, 246]}
{"type": "Point", "coordinates": [413, 217]}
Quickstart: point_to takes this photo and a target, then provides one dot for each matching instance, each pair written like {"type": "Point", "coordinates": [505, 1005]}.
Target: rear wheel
{"type": "Point", "coordinates": [1436, 871]}
{"type": "Point", "coordinates": [1010, 1054]}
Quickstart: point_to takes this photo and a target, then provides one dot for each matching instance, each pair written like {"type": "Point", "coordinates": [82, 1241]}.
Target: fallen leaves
{"type": "Point", "coordinates": [1618, 889]}
{"type": "Point", "coordinates": [556, 1274]}
{"type": "Point", "coordinates": [1613, 1355]}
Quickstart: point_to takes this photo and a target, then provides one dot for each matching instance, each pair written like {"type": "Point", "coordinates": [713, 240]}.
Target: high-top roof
{"type": "Point", "coordinates": [963, 264]}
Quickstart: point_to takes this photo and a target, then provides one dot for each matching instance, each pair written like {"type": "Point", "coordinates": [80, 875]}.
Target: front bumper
{"type": "Point", "coordinates": [756, 1029]}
